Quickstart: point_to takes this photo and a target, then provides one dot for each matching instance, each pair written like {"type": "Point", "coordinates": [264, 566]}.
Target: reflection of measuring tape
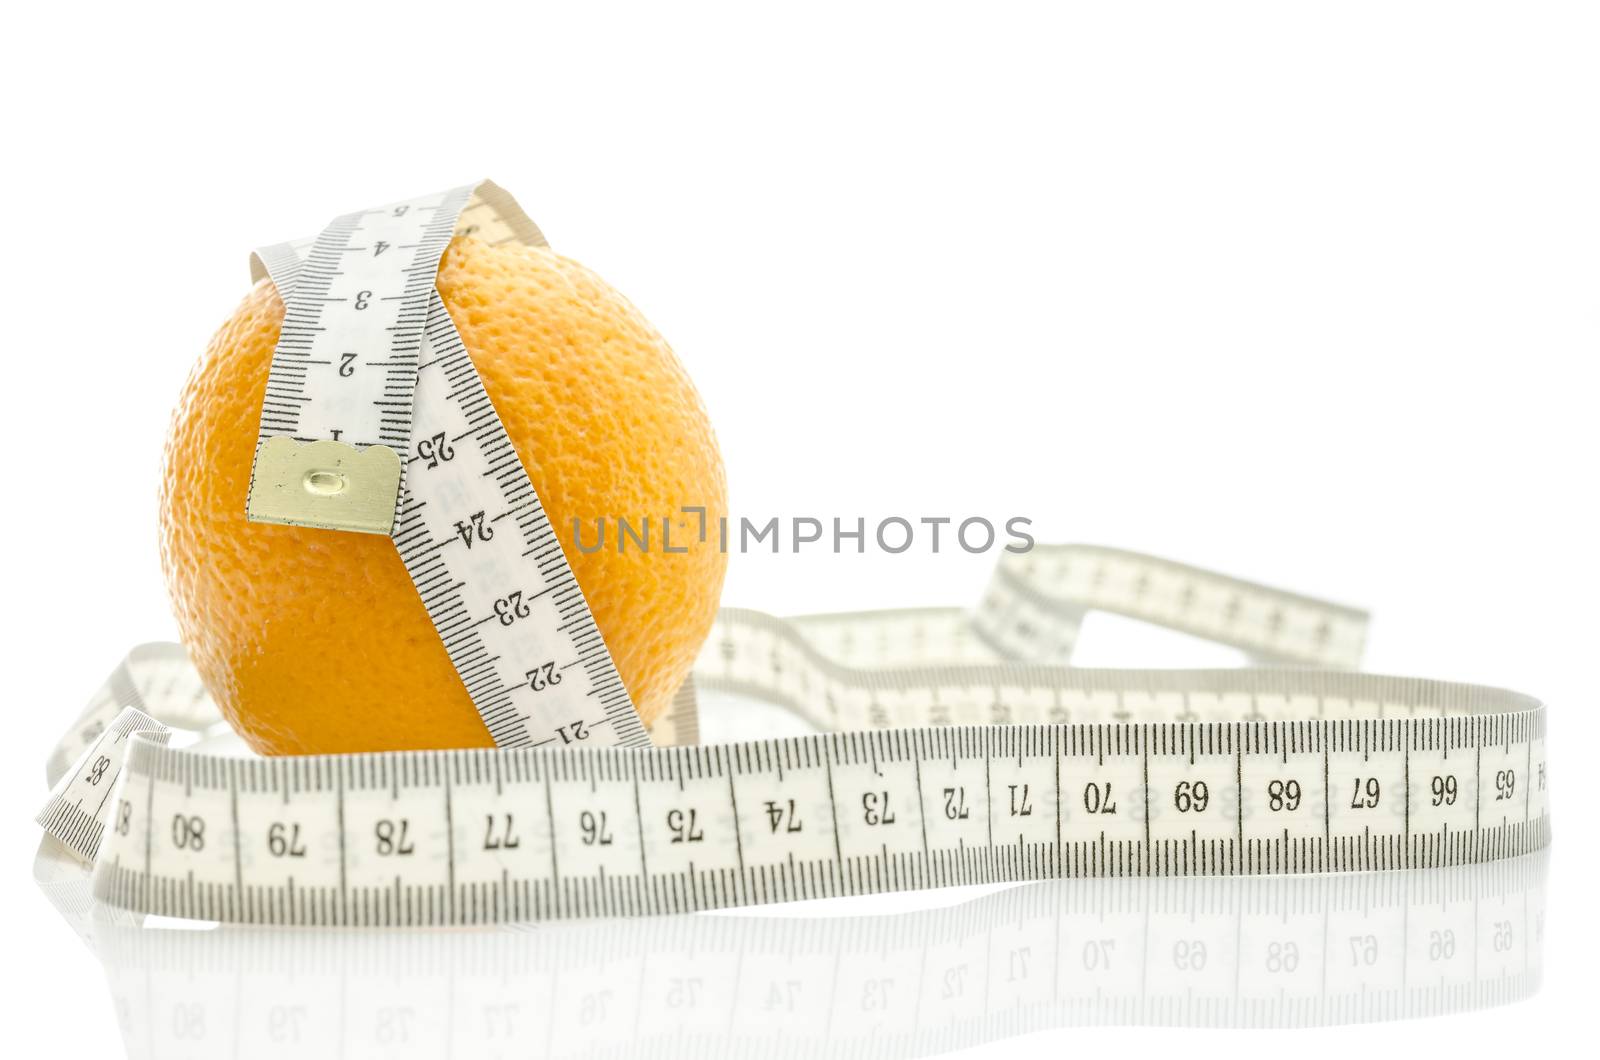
{"type": "Point", "coordinates": [999, 763]}
{"type": "Point", "coordinates": [1278, 952]}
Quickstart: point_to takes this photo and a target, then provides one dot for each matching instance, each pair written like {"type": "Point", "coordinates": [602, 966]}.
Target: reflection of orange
{"type": "Point", "coordinates": [316, 641]}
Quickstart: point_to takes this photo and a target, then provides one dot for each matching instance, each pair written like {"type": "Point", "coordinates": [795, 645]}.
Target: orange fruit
{"type": "Point", "coordinates": [315, 641]}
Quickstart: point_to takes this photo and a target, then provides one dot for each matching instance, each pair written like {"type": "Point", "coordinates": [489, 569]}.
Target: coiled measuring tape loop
{"type": "Point", "coordinates": [978, 755]}
{"type": "Point", "coordinates": [1092, 773]}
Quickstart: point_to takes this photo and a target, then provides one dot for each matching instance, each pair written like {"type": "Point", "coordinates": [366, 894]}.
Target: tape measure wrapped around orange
{"type": "Point", "coordinates": [317, 642]}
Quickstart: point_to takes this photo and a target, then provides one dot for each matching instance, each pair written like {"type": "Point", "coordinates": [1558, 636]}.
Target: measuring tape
{"type": "Point", "coordinates": [376, 421]}
{"type": "Point", "coordinates": [981, 756]}
{"type": "Point", "coordinates": [1289, 951]}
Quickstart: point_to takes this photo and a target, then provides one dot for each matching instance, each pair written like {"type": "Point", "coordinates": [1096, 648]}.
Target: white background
{"type": "Point", "coordinates": [1305, 293]}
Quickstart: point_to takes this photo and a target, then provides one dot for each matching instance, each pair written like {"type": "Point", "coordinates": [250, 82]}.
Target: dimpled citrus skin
{"type": "Point", "coordinates": [315, 641]}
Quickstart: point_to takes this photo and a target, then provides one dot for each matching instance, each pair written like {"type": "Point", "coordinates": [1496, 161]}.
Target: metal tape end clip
{"type": "Point", "coordinates": [325, 484]}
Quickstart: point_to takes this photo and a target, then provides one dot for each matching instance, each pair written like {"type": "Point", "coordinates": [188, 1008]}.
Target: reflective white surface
{"type": "Point", "coordinates": [1202, 952]}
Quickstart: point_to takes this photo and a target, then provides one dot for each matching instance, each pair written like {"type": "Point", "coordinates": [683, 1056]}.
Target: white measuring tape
{"type": "Point", "coordinates": [990, 759]}
{"type": "Point", "coordinates": [371, 387]}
